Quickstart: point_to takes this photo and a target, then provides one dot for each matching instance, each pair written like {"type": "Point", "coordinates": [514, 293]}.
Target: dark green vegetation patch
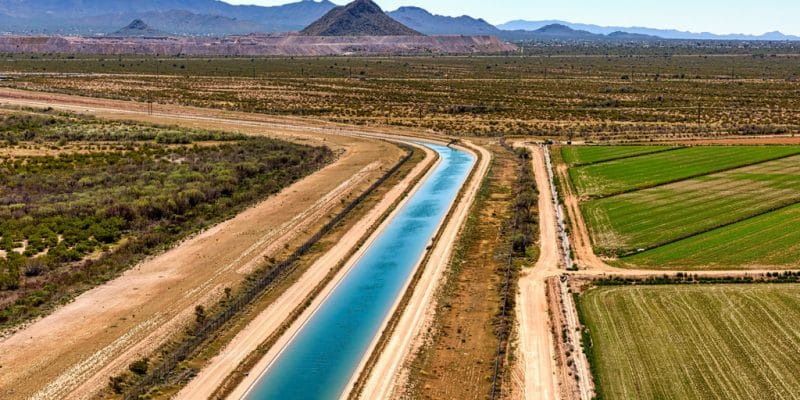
{"type": "Point", "coordinates": [82, 199]}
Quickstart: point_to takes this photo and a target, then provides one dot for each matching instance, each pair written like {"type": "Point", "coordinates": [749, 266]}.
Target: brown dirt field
{"type": "Point", "coordinates": [465, 331]}
{"type": "Point", "coordinates": [386, 378]}
{"type": "Point", "coordinates": [72, 352]}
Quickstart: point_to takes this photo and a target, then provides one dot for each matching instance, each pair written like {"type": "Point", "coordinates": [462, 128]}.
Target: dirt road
{"type": "Point", "coordinates": [535, 339]}
{"type": "Point", "coordinates": [72, 352]}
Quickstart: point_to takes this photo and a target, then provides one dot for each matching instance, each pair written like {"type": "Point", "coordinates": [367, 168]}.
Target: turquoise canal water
{"type": "Point", "coordinates": [320, 360]}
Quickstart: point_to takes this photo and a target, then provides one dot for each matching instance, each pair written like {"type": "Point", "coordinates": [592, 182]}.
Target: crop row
{"type": "Point", "coordinates": [771, 240]}
{"type": "Point", "coordinates": [584, 155]}
{"type": "Point", "coordinates": [630, 174]}
{"type": "Point", "coordinates": [650, 218]}
{"type": "Point", "coordinates": [695, 342]}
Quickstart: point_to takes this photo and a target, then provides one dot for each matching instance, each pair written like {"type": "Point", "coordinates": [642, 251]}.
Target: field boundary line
{"type": "Point", "coordinates": [718, 227]}
{"type": "Point", "coordinates": [639, 189]}
{"type": "Point", "coordinates": [671, 148]}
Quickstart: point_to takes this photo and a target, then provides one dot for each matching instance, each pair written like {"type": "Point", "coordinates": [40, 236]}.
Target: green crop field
{"type": "Point", "coordinates": [695, 342]}
{"type": "Point", "coordinates": [739, 218]}
{"type": "Point", "coordinates": [621, 176]}
{"type": "Point", "coordinates": [584, 155]}
{"type": "Point", "coordinates": [649, 218]}
{"type": "Point", "coordinates": [770, 240]}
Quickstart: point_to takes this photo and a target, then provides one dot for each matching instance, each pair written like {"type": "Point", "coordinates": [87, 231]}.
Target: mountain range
{"type": "Point", "coordinates": [661, 33]}
{"type": "Point", "coordinates": [217, 18]}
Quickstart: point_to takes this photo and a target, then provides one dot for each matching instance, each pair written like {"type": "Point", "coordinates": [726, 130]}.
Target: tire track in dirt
{"type": "Point", "coordinates": [536, 347]}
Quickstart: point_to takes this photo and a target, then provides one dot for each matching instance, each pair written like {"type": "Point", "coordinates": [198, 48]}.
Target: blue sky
{"type": "Point", "coordinates": [717, 16]}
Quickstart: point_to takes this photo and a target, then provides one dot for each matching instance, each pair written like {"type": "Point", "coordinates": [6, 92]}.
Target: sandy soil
{"type": "Point", "coordinates": [72, 352]}
{"type": "Point", "coordinates": [535, 339]}
{"type": "Point", "coordinates": [581, 242]}
{"type": "Point", "coordinates": [269, 321]}
{"type": "Point", "coordinates": [387, 377]}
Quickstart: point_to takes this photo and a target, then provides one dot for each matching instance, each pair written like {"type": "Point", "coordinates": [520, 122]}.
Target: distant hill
{"type": "Point", "coordinates": [558, 31]}
{"type": "Point", "coordinates": [650, 32]}
{"type": "Point", "coordinates": [178, 22]}
{"type": "Point", "coordinates": [423, 21]}
{"type": "Point", "coordinates": [359, 18]}
{"type": "Point", "coordinates": [192, 17]}
{"type": "Point", "coordinates": [138, 28]}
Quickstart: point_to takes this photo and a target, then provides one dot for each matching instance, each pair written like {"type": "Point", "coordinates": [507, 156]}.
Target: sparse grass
{"type": "Point", "coordinates": [695, 342]}
{"type": "Point", "coordinates": [597, 97]}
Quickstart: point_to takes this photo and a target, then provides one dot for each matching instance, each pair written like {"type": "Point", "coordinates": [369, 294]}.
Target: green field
{"type": "Point", "coordinates": [673, 211]}
{"type": "Point", "coordinates": [629, 174]}
{"type": "Point", "coordinates": [649, 218]}
{"type": "Point", "coordinates": [771, 240]}
{"type": "Point", "coordinates": [726, 342]}
{"type": "Point", "coordinates": [584, 155]}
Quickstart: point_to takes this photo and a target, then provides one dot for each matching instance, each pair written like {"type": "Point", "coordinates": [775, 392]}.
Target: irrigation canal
{"type": "Point", "coordinates": [320, 360]}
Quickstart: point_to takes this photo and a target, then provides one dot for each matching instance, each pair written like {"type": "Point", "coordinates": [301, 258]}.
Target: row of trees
{"type": "Point", "coordinates": [526, 219]}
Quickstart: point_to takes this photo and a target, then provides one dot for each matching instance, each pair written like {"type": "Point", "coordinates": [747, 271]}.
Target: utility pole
{"type": "Point", "coordinates": [699, 109]}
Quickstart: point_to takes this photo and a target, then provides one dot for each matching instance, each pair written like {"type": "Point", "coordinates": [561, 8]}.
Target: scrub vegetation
{"type": "Point", "coordinates": [475, 306]}
{"type": "Point", "coordinates": [81, 199]}
{"type": "Point", "coordinates": [694, 341]}
{"type": "Point", "coordinates": [620, 94]}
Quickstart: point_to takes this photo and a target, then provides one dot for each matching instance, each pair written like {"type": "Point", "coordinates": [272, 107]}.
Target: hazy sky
{"type": "Point", "coordinates": [717, 16]}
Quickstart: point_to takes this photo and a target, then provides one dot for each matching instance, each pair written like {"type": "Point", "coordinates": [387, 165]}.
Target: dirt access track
{"type": "Point", "coordinates": [535, 344]}
{"type": "Point", "coordinates": [72, 352]}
